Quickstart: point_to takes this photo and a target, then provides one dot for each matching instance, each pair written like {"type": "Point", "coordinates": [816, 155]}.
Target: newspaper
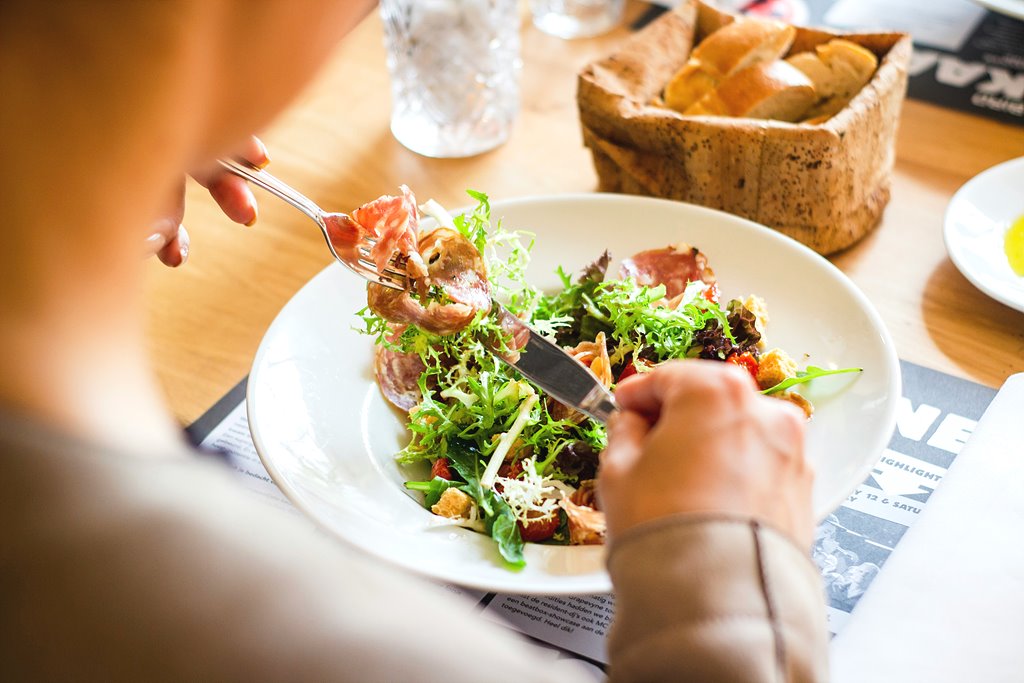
{"type": "Point", "coordinates": [960, 566]}
{"type": "Point", "coordinates": [935, 418]}
{"type": "Point", "coordinates": [965, 57]}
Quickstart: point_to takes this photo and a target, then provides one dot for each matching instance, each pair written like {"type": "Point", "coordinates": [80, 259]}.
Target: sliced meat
{"type": "Point", "coordinates": [586, 494]}
{"type": "Point", "coordinates": [397, 376]}
{"type": "Point", "coordinates": [456, 266]}
{"type": "Point", "coordinates": [454, 289]}
{"type": "Point", "coordinates": [395, 222]}
{"type": "Point", "coordinates": [400, 306]}
{"type": "Point", "coordinates": [586, 525]}
{"type": "Point", "coordinates": [672, 266]}
{"type": "Point", "coordinates": [595, 356]}
{"type": "Point", "coordinates": [392, 221]}
{"type": "Point", "coordinates": [559, 411]}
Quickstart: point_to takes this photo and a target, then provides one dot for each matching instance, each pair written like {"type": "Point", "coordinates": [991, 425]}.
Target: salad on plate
{"type": "Point", "coordinates": [505, 459]}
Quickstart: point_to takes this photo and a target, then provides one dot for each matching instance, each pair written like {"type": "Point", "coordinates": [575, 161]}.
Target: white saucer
{"type": "Point", "coordinates": [976, 222]}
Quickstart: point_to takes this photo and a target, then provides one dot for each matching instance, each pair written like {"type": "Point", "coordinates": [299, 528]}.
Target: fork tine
{"type": "Point", "coordinates": [396, 271]}
{"type": "Point", "coordinates": [393, 271]}
{"type": "Point", "coordinates": [369, 271]}
{"type": "Point", "coordinates": [394, 277]}
{"type": "Point", "coordinates": [393, 267]}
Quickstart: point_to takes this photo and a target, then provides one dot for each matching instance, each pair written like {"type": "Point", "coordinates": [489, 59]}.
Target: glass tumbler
{"type": "Point", "coordinates": [576, 18]}
{"type": "Point", "coordinates": [454, 68]}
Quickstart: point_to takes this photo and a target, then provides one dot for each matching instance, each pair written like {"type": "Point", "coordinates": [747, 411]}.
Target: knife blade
{"type": "Point", "coordinates": [552, 369]}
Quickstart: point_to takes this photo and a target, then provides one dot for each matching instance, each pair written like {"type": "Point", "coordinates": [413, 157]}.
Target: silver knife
{"type": "Point", "coordinates": [548, 366]}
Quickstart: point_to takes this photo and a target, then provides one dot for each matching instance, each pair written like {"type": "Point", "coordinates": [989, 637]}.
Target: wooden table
{"type": "Point", "coordinates": [206, 319]}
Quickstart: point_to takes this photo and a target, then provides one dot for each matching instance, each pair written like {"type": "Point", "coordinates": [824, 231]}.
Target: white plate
{"type": "Point", "coordinates": [977, 219]}
{"type": "Point", "coordinates": [1012, 8]}
{"type": "Point", "coordinates": [327, 437]}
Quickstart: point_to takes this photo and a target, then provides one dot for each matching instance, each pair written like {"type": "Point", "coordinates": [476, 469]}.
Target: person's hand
{"type": "Point", "coordinates": [695, 437]}
{"type": "Point", "coordinates": [168, 238]}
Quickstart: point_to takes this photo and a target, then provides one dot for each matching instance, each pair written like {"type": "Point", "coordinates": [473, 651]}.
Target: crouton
{"type": "Point", "coordinates": [774, 367]}
{"type": "Point", "coordinates": [453, 503]}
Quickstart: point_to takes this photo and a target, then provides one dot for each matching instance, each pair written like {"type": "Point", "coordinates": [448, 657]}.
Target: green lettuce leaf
{"type": "Point", "coordinates": [499, 521]}
{"type": "Point", "coordinates": [432, 489]}
{"type": "Point", "coordinates": [805, 376]}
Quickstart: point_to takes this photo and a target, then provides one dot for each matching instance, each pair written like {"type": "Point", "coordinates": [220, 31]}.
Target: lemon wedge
{"type": "Point", "coordinates": [1013, 244]}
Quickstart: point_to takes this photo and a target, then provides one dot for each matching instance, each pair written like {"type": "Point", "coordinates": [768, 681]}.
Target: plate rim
{"type": "Point", "coordinates": [598, 582]}
{"type": "Point", "coordinates": [949, 236]}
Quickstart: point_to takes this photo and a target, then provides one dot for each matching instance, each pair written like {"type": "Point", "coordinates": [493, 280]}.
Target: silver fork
{"type": "Point", "coordinates": [362, 265]}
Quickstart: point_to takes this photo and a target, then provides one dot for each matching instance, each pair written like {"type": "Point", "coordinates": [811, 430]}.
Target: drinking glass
{"type": "Point", "coordinates": [576, 18]}
{"type": "Point", "coordinates": [454, 68]}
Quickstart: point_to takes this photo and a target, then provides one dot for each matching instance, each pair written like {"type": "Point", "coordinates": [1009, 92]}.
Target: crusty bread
{"type": "Point", "coordinates": [769, 90]}
{"type": "Point", "coordinates": [730, 49]}
{"type": "Point", "coordinates": [689, 85]}
{"type": "Point", "coordinates": [812, 67]}
{"type": "Point", "coordinates": [838, 69]}
{"type": "Point", "coordinates": [824, 185]}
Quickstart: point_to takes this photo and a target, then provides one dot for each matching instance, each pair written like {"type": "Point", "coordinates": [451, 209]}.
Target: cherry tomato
{"type": "Point", "coordinates": [744, 360]}
{"type": "Point", "coordinates": [440, 469]}
{"type": "Point", "coordinates": [627, 371]}
{"type": "Point", "coordinates": [632, 369]}
{"type": "Point", "coordinates": [510, 470]}
{"type": "Point", "coordinates": [537, 530]}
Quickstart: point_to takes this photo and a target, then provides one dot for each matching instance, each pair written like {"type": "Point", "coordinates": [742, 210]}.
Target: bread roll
{"type": "Point", "coordinates": [769, 90]}
{"type": "Point", "coordinates": [728, 50]}
{"type": "Point", "coordinates": [838, 69]}
{"type": "Point", "coordinates": [825, 186]}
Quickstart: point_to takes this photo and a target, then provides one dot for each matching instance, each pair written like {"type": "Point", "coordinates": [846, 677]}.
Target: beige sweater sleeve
{"type": "Point", "coordinates": [715, 599]}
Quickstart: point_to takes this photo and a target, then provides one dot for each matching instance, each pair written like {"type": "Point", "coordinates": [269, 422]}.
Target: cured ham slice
{"type": "Point", "coordinates": [450, 294]}
{"type": "Point", "coordinates": [672, 266]}
{"type": "Point", "coordinates": [392, 221]}
{"type": "Point", "coordinates": [595, 356]}
{"type": "Point", "coordinates": [586, 494]}
{"type": "Point", "coordinates": [395, 222]}
{"type": "Point", "coordinates": [397, 376]}
{"type": "Point", "coordinates": [447, 278]}
{"type": "Point", "coordinates": [586, 525]}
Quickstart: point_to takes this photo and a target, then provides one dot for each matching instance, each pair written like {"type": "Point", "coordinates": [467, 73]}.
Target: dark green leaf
{"type": "Point", "coordinates": [561, 535]}
{"type": "Point", "coordinates": [466, 459]}
{"type": "Point", "coordinates": [503, 529]}
{"type": "Point", "coordinates": [499, 521]}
